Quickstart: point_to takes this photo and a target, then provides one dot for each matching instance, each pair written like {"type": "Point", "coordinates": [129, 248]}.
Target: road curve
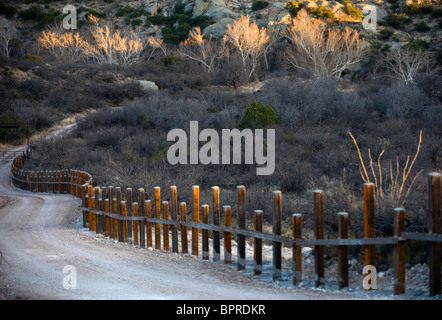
{"type": "Point", "coordinates": [41, 234]}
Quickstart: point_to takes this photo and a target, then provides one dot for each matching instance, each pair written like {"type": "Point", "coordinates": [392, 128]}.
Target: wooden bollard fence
{"type": "Point", "coordinates": [148, 208]}
{"type": "Point", "coordinates": [369, 224]}
{"type": "Point", "coordinates": [435, 226]}
{"type": "Point", "coordinates": [196, 218]}
{"type": "Point", "coordinates": [142, 213]}
{"type": "Point", "coordinates": [227, 213]}
{"type": "Point", "coordinates": [399, 252]}
{"type": "Point", "coordinates": [157, 216]}
{"type": "Point", "coordinates": [277, 219]}
{"type": "Point", "coordinates": [205, 232]}
{"type": "Point", "coordinates": [216, 222]}
{"type": "Point", "coordinates": [297, 250]}
{"type": "Point", "coordinates": [241, 247]}
{"type": "Point", "coordinates": [174, 217]}
{"type": "Point", "coordinates": [343, 251]}
{"type": "Point", "coordinates": [130, 236]}
{"type": "Point", "coordinates": [166, 243]}
{"type": "Point", "coordinates": [183, 217]}
{"type": "Point", "coordinates": [318, 214]}
{"type": "Point", "coordinates": [257, 243]}
{"type": "Point", "coordinates": [123, 214]}
{"type": "Point", "coordinates": [135, 233]}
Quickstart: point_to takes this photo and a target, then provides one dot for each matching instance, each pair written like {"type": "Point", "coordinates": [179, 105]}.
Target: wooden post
{"type": "Point", "coordinates": [148, 208]}
{"type": "Point", "coordinates": [257, 242]}
{"type": "Point", "coordinates": [435, 226]}
{"type": "Point", "coordinates": [142, 213]}
{"type": "Point", "coordinates": [318, 214]}
{"type": "Point", "coordinates": [241, 255]}
{"type": "Point", "coordinates": [111, 220]}
{"type": "Point", "coordinates": [121, 224]}
{"type": "Point", "coordinates": [136, 234]}
{"type": "Point", "coordinates": [174, 217]}
{"type": "Point", "coordinates": [183, 216]}
{"type": "Point", "coordinates": [196, 218]}
{"type": "Point", "coordinates": [97, 192]}
{"type": "Point", "coordinates": [205, 232]}
{"type": "Point", "coordinates": [166, 226]}
{"type": "Point", "coordinates": [115, 220]}
{"type": "Point", "coordinates": [277, 219]}
{"type": "Point", "coordinates": [103, 208]}
{"type": "Point", "coordinates": [123, 236]}
{"type": "Point", "coordinates": [216, 221]}
{"type": "Point", "coordinates": [297, 250]}
{"type": "Point", "coordinates": [92, 223]}
{"type": "Point", "coordinates": [399, 252]}
{"type": "Point", "coordinates": [227, 213]}
{"type": "Point", "coordinates": [369, 225]}
{"type": "Point", "coordinates": [107, 219]}
{"type": "Point", "coordinates": [130, 237]}
{"type": "Point", "coordinates": [343, 251]}
{"type": "Point", "coordinates": [84, 202]}
{"type": "Point", "coordinates": [157, 216]}
{"type": "Point", "coordinates": [91, 215]}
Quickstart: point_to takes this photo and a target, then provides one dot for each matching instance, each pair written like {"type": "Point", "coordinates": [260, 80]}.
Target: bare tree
{"type": "Point", "coordinates": [404, 64]}
{"type": "Point", "coordinates": [7, 33]}
{"type": "Point", "coordinates": [63, 45]}
{"type": "Point", "coordinates": [204, 51]}
{"type": "Point", "coordinates": [155, 44]}
{"type": "Point", "coordinates": [249, 40]}
{"type": "Point", "coordinates": [325, 52]}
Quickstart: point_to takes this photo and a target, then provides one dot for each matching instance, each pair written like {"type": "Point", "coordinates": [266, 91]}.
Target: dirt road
{"type": "Point", "coordinates": [41, 234]}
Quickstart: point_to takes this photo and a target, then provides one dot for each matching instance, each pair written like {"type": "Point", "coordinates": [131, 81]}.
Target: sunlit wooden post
{"type": "Point", "coordinates": [115, 220]}
{"type": "Point", "coordinates": [297, 250]}
{"type": "Point", "coordinates": [241, 255]}
{"type": "Point", "coordinates": [399, 252]}
{"type": "Point", "coordinates": [343, 251]}
{"type": "Point", "coordinates": [227, 213]}
{"type": "Point", "coordinates": [142, 213]}
{"type": "Point", "coordinates": [183, 218]}
{"type": "Point", "coordinates": [277, 219]}
{"type": "Point", "coordinates": [123, 235]}
{"type": "Point", "coordinates": [97, 204]}
{"type": "Point", "coordinates": [174, 217]}
{"type": "Point", "coordinates": [121, 224]}
{"type": "Point", "coordinates": [216, 222]}
{"type": "Point", "coordinates": [130, 236]}
{"type": "Point", "coordinates": [195, 231]}
{"type": "Point", "coordinates": [435, 226]}
{"type": "Point", "coordinates": [157, 216]}
{"type": "Point", "coordinates": [257, 242]}
{"type": "Point", "coordinates": [103, 208]}
{"type": "Point", "coordinates": [110, 190]}
{"type": "Point", "coordinates": [107, 226]}
{"type": "Point", "coordinates": [318, 213]}
{"type": "Point", "coordinates": [369, 225]}
{"type": "Point", "coordinates": [135, 229]}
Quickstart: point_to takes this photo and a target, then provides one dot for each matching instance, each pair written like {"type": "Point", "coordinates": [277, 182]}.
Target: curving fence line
{"type": "Point", "coordinates": [163, 225]}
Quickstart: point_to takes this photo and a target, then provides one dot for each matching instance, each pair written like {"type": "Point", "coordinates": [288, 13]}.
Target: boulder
{"type": "Point", "coordinates": [401, 37]}
{"type": "Point", "coordinates": [198, 8]}
{"type": "Point", "coordinates": [218, 10]}
{"type": "Point", "coordinates": [147, 85]}
{"type": "Point", "coordinates": [217, 30]}
{"type": "Point", "coordinates": [368, 8]}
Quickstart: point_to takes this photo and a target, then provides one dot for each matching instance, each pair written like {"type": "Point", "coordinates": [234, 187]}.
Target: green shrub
{"type": "Point", "coordinates": [353, 12]}
{"type": "Point", "coordinates": [422, 27]}
{"type": "Point", "coordinates": [259, 5]}
{"type": "Point", "coordinates": [322, 12]}
{"type": "Point", "coordinates": [397, 20]}
{"type": "Point", "coordinates": [386, 33]}
{"type": "Point", "coordinates": [417, 44]}
{"type": "Point", "coordinates": [293, 7]}
{"type": "Point", "coordinates": [258, 116]}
